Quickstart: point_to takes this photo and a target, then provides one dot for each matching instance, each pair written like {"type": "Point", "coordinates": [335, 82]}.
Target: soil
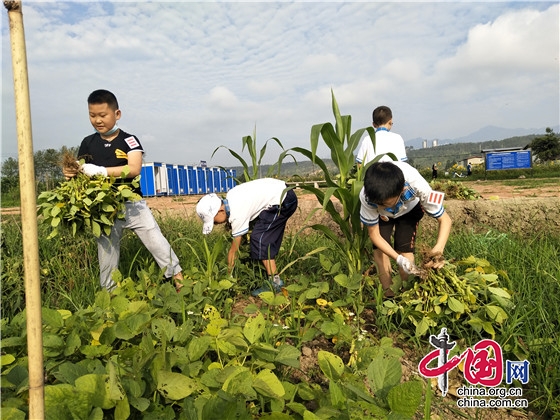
{"type": "Point", "coordinates": [504, 208]}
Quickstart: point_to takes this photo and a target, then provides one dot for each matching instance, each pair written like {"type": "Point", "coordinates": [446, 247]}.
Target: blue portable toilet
{"type": "Point", "coordinates": [182, 179]}
{"type": "Point", "coordinates": [223, 180]}
{"type": "Point", "coordinates": [209, 180]}
{"type": "Point", "coordinates": [147, 180]}
{"type": "Point", "coordinates": [191, 179]}
{"type": "Point", "coordinates": [217, 182]}
{"type": "Point", "coordinates": [201, 180]}
{"type": "Point", "coordinates": [153, 180]}
{"type": "Point", "coordinates": [232, 173]}
{"type": "Point", "coordinates": [172, 180]}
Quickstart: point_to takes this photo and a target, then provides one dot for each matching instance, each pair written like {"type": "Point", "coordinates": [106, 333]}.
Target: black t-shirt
{"type": "Point", "coordinates": [98, 151]}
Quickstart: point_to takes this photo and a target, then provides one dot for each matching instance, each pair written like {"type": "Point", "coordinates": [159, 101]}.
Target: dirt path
{"type": "Point", "coordinates": [501, 206]}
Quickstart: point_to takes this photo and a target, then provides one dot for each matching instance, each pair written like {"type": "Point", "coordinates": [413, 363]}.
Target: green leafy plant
{"type": "Point", "coordinates": [454, 190]}
{"type": "Point", "coordinates": [143, 351]}
{"type": "Point", "coordinates": [340, 199]}
{"type": "Point", "coordinates": [348, 397]}
{"type": "Point", "coordinates": [85, 204]}
{"type": "Point", "coordinates": [254, 171]}
{"type": "Point", "coordinates": [443, 298]}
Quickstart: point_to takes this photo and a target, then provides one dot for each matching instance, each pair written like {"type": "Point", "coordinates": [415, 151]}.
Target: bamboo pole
{"type": "Point", "coordinates": [28, 212]}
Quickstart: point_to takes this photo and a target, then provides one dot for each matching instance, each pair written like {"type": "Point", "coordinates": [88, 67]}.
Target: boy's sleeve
{"type": "Point", "coordinates": [239, 225]}
{"type": "Point", "coordinates": [239, 229]}
{"type": "Point", "coordinates": [401, 151]}
{"type": "Point", "coordinates": [369, 215]}
{"type": "Point", "coordinates": [133, 144]}
{"type": "Point", "coordinates": [432, 202]}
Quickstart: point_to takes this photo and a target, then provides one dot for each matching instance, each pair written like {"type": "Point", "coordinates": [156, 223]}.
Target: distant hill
{"type": "Point", "coordinates": [450, 153]}
{"type": "Point", "coordinates": [446, 155]}
{"type": "Point", "coordinates": [484, 134]}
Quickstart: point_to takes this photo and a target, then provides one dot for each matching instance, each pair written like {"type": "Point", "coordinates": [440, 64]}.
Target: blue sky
{"type": "Point", "coordinates": [192, 76]}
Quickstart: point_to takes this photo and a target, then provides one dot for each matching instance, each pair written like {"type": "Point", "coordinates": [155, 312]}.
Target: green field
{"type": "Point", "coordinates": [328, 347]}
{"type": "Point", "coordinates": [207, 338]}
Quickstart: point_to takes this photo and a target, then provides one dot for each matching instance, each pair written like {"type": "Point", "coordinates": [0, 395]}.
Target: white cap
{"type": "Point", "coordinates": [207, 208]}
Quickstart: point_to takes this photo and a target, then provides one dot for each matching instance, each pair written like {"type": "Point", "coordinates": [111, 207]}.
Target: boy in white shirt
{"type": "Point", "coordinates": [385, 140]}
{"type": "Point", "coordinates": [265, 201]}
{"type": "Point", "coordinates": [393, 200]}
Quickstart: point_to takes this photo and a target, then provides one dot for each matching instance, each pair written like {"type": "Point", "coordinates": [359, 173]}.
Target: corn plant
{"type": "Point", "coordinates": [341, 198]}
{"type": "Point", "coordinates": [254, 171]}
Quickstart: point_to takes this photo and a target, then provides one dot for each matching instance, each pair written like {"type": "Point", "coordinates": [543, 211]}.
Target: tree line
{"type": "Point", "coordinates": [48, 168]}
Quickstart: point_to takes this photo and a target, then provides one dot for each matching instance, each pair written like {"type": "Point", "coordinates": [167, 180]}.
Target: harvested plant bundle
{"type": "Point", "coordinates": [442, 297]}
{"type": "Point", "coordinates": [86, 203]}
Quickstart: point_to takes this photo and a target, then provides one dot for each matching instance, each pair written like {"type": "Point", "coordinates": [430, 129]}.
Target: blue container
{"type": "Point", "coordinates": [201, 180]}
{"type": "Point", "coordinates": [147, 181]}
{"type": "Point", "coordinates": [153, 180]}
{"type": "Point", "coordinates": [182, 179]}
{"type": "Point", "coordinates": [172, 180]}
{"type": "Point", "coordinates": [209, 180]}
{"type": "Point", "coordinates": [223, 180]}
{"type": "Point", "coordinates": [191, 180]}
{"type": "Point", "coordinates": [232, 173]}
{"type": "Point", "coordinates": [216, 178]}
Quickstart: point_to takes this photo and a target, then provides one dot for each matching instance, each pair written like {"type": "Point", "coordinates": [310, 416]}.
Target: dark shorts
{"type": "Point", "coordinates": [268, 230]}
{"type": "Point", "coordinates": [404, 229]}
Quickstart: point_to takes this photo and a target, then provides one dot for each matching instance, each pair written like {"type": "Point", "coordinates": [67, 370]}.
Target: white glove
{"type": "Point", "coordinates": [91, 170]}
{"type": "Point", "coordinates": [405, 264]}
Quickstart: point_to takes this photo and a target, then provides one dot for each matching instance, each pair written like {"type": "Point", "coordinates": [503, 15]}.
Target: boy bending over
{"type": "Point", "coordinates": [393, 200]}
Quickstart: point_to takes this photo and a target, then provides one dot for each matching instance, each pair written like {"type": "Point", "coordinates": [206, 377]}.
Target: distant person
{"type": "Point", "coordinates": [385, 140]}
{"type": "Point", "coordinates": [469, 169]}
{"type": "Point", "coordinates": [434, 171]}
{"type": "Point", "coordinates": [264, 201]}
{"type": "Point", "coordinates": [393, 200]}
{"type": "Point", "coordinates": [107, 152]}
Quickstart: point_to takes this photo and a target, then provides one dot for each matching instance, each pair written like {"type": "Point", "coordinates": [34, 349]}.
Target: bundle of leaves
{"type": "Point", "coordinates": [86, 204]}
{"type": "Point", "coordinates": [440, 297]}
{"type": "Point", "coordinates": [455, 190]}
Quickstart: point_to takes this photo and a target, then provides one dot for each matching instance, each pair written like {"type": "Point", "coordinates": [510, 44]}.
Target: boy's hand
{"type": "Point", "coordinates": [405, 264]}
{"type": "Point", "coordinates": [91, 170]}
{"type": "Point", "coordinates": [436, 259]}
{"type": "Point", "coordinates": [69, 172]}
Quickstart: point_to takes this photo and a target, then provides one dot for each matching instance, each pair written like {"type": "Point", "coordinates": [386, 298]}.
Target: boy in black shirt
{"type": "Point", "coordinates": [107, 152]}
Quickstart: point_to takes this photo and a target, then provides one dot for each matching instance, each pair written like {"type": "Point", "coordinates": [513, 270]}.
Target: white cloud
{"type": "Point", "coordinates": [517, 46]}
{"type": "Point", "coordinates": [193, 76]}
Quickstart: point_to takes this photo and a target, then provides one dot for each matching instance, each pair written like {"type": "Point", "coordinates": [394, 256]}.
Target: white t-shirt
{"type": "Point", "coordinates": [385, 142]}
{"type": "Point", "coordinates": [246, 201]}
{"type": "Point", "coordinates": [417, 190]}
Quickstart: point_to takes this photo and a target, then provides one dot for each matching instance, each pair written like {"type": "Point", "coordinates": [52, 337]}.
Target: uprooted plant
{"type": "Point", "coordinates": [443, 297]}
{"type": "Point", "coordinates": [85, 203]}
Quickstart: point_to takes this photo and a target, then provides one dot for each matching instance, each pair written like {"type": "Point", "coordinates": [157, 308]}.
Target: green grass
{"type": "Point", "coordinates": [10, 199]}
{"type": "Point", "coordinates": [69, 279]}
{"type": "Point", "coordinates": [533, 268]}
